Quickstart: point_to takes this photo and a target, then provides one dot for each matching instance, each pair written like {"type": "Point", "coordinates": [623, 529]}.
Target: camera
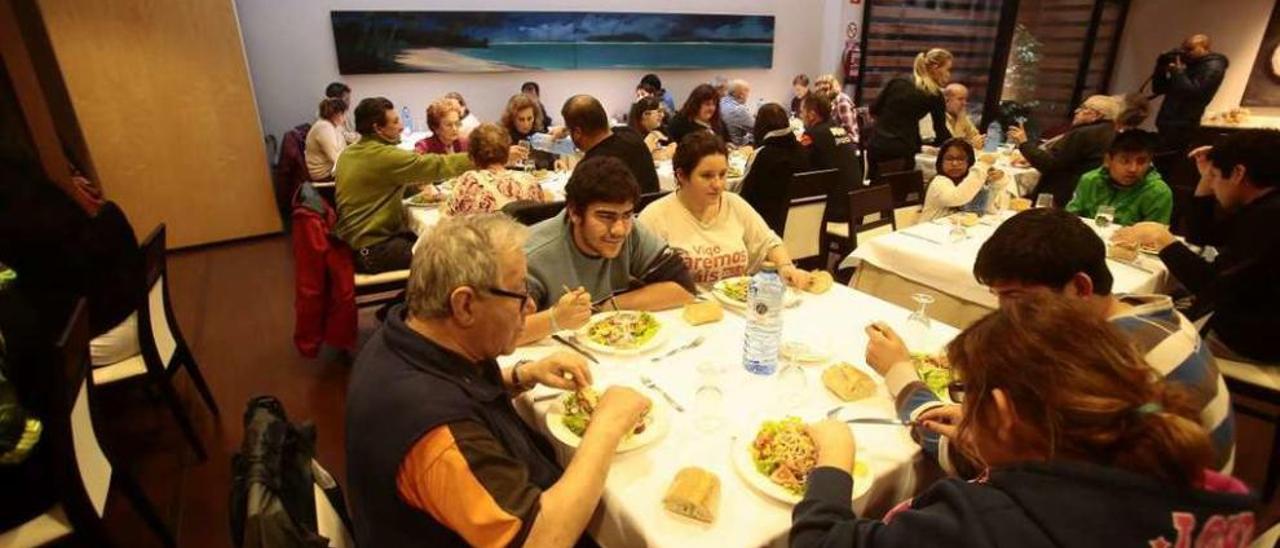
{"type": "Point", "coordinates": [1170, 57]}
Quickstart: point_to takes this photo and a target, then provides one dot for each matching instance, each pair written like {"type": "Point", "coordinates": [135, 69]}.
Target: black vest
{"type": "Point", "coordinates": [402, 386]}
{"type": "Point", "coordinates": [831, 147]}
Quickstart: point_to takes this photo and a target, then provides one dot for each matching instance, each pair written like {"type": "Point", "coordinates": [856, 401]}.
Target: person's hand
{"type": "Point", "coordinates": [943, 420]}
{"type": "Point", "coordinates": [573, 310]}
{"type": "Point", "coordinates": [1201, 156]}
{"type": "Point", "coordinates": [563, 370]}
{"type": "Point", "coordinates": [796, 277]}
{"type": "Point", "coordinates": [1017, 134]}
{"type": "Point", "coordinates": [994, 175]}
{"type": "Point", "coordinates": [835, 444]}
{"type": "Point", "coordinates": [560, 165]}
{"type": "Point", "coordinates": [517, 154]}
{"type": "Point", "coordinates": [1147, 234]}
{"type": "Point", "coordinates": [86, 195]}
{"type": "Point", "coordinates": [619, 411]}
{"type": "Point", "coordinates": [978, 141]}
{"type": "Point", "coordinates": [885, 348]}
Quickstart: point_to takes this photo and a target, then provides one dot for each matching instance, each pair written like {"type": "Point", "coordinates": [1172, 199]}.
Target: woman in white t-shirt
{"type": "Point", "coordinates": [326, 140]}
{"type": "Point", "coordinates": [963, 183]}
{"type": "Point", "coordinates": [721, 236]}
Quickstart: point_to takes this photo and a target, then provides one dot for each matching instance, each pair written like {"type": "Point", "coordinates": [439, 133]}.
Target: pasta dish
{"type": "Point", "coordinates": [785, 453]}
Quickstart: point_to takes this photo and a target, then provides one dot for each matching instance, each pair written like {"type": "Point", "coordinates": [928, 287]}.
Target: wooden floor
{"type": "Point", "coordinates": [235, 306]}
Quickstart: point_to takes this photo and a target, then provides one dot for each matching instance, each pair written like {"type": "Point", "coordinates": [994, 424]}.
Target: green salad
{"type": "Point", "coordinates": [735, 288]}
{"type": "Point", "coordinates": [578, 407]}
{"type": "Point", "coordinates": [935, 371]}
{"type": "Point", "coordinates": [784, 452]}
{"type": "Point", "coordinates": [624, 330]}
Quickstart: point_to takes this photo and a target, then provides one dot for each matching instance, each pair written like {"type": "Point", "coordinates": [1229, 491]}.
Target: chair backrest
{"type": "Point", "coordinates": [802, 234]}
{"type": "Point", "coordinates": [529, 213]}
{"type": "Point", "coordinates": [646, 199]}
{"type": "Point", "coordinates": [877, 199]}
{"type": "Point", "coordinates": [907, 187]}
{"type": "Point", "coordinates": [893, 165]}
{"type": "Point", "coordinates": [155, 335]}
{"type": "Point", "coordinates": [80, 469]}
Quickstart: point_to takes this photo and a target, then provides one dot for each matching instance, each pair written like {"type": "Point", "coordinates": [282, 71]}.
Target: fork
{"type": "Point", "coordinates": [648, 383]}
{"type": "Point", "coordinates": [687, 346]}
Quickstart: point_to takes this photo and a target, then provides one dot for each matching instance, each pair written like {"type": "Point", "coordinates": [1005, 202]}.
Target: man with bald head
{"type": "Point", "coordinates": [735, 113]}
{"type": "Point", "coordinates": [957, 100]}
{"type": "Point", "coordinates": [1188, 77]}
{"type": "Point", "coordinates": [588, 126]}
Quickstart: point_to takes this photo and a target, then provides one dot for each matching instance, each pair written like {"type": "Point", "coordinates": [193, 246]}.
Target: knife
{"type": "Point", "coordinates": [575, 348]}
{"type": "Point", "coordinates": [873, 420]}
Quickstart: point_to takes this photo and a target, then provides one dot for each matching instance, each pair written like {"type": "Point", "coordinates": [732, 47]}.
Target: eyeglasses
{"type": "Point", "coordinates": [522, 297]}
{"type": "Point", "coordinates": [955, 389]}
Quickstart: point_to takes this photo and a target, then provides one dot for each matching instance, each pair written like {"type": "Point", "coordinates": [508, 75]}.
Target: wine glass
{"type": "Point", "coordinates": [791, 382]}
{"type": "Point", "coordinates": [708, 401]}
{"type": "Point", "coordinates": [1044, 200]}
{"type": "Point", "coordinates": [1105, 216]}
{"type": "Point", "coordinates": [527, 163]}
{"type": "Point", "coordinates": [919, 323]}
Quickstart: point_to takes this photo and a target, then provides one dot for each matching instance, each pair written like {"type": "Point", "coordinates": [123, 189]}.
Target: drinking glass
{"type": "Point", "coordinates": [919, 323]}
{"type": "Point", "coordinates": [1105, 216]}
{"type": "Point", "coordinates": [527, 162]}
{"type": "Point", "coordinates": [791, 383]}
{"type": "Point", "coordinates": [957, 233]}
{"type": "Point", "coordinates": [708, 401]}
{"type": "Point", "coordinates": [1044, 200]}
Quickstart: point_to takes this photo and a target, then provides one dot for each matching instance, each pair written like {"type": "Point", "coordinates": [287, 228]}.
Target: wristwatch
{"type": "Point", "coordinates": [515, 377]}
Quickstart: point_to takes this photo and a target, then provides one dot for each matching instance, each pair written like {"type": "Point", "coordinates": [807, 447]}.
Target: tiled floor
{"type": "Point", "coordinates": [235, 306]}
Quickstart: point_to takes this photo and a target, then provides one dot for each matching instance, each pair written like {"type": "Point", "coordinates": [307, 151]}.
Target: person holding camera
{"type": "Point", "coordinates": [1188, 77]}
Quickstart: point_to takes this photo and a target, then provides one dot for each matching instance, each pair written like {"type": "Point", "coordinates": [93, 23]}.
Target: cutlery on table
{"type": "Point", "coordinates": [550, 396]}
{"type": "Point", "coordinates": [648, 383]}
{"type": "Point", "coordinates": [688, 346]}
{"type": "Point", "coordinates": [574, 346]}
{"type": "Point", "coordinates": [835, 412]}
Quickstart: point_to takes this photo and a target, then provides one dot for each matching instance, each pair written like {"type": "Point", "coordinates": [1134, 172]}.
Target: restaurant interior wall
{"type": "Point", "coordinates": [1235, 26]}
{"type": "Point", "coordinates": [289, 45]}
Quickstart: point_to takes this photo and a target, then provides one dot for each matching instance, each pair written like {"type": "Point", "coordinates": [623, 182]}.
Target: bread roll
{"type": "Point", "coordinates": [695, 493]}
{"type": "Point", "coordinates": [703, 312]}
{"type": "Point", "coordinates": [1122, 252]}
{"type": "Point", "coordinates": [1020, 204]}
{"type": "Point", "coordinates": [821, 282]}
{"type": "Point", "coordinates": [848, 382]}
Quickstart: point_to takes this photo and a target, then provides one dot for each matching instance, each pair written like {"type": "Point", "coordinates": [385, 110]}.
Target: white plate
{"type": "Point", "coordinates": [788, 298]}
{"type": "Point", "coordinates": [657, 340]}
{"type": "Point", "coordinates": [747, 469]}
{"type": "Point", "coordinates": [658, 423]}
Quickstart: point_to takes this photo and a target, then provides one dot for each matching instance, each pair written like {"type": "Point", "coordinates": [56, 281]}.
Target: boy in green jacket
{"type": "Point", "coordinates": [1126, 182]}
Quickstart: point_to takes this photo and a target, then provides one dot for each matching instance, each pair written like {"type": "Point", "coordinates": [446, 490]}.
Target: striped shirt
{"type": "Point", "coordinates": [1171, 346]}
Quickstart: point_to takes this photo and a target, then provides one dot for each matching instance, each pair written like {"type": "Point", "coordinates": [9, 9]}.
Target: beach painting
{"type": "Point", "coordinates": [370, 42]}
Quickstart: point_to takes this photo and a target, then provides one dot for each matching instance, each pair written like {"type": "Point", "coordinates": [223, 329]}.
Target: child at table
{"type": "Point", "coordinates": [1065, 464]}
{"type": "Point", "coordinates": [963, 183]}
{"type": "Point", "coordinates": [491, 185]}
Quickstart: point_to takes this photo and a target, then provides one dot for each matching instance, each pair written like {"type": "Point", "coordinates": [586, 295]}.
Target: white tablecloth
{"type": "Point", "coordinates": [632, 512]}
{"type": "Point", "coordinates": [924, 254]}
{"type": "Point", "coordinates": [1026, 177]}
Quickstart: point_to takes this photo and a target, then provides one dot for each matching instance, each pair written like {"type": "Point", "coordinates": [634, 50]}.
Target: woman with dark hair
{"type": "Point", "coordinates": [963, 183]}
{"type": "Point", "coordinates": [779, 156]}
{"type": "Point", "coordinates": [1065, 463]}
{"type": "Point", "coordinates": [646, 119]}
{"type": "Point", "coordinates": [522, 120]}
{"type": "Point", "coordinates": [721, 236]}
{"type": "Point", "coordinates": [903, 103]}
{"type": "Point", "coordinates": [700, 112]}
{"type": "Point", "coordinates": [799, 88]}
{"type": "Point", "coordinates": [655, 84]}
{"type": "Point", "coordinates": [326, 139]}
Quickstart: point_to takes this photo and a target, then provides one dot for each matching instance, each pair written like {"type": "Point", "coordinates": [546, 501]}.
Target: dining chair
{"type": "Point", "coordinates": [908, 195]}
{"type": "Point", "coordinates": [529, 213]}
{"type": "Point", "coordinates": [381, 288]}
{"type": "Point", "coordinates": [163, 351]}
{"type": "Point", "coordinates": [864, 203]}
{"type": "Point", "coordinates": [646, 199]}
{"type": "Point", "coordinates": [80, 472]}
{"type": "Point", "coordinates": [1258, 384]}
{"type": "Point", "coordinates": [803, 226]}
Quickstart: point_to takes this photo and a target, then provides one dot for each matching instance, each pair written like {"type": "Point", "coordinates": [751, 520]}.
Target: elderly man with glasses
{"type": "Point", "coordinates": [436, 453]}
{"type": "Point", "coordinates": [1064, 159]}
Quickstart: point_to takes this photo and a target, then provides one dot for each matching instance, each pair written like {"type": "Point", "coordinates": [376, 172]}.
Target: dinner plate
{"type": "Point", "coordinates": [788, 299]}
{"type": "Point", "coordinates": [657, 420]}
{"type": "Point", "coordinates": [653, 343]}
{"type": "Point", "coordinates": [862, 477]}
{"type": "Point", "coordinates": [1148, 251]}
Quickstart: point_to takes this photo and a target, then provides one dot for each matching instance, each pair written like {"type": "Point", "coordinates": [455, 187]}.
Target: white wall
{"type": "Point", "coordinates": [1235, 27]}
{"type": "Point", "coordinates": [289, 44]}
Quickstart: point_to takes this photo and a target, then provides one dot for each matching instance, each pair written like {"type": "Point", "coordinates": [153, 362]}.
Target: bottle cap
{"type": "Point", "coordinates": [769, 266]}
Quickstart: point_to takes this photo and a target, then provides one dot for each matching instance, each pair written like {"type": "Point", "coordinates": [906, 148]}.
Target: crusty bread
{"type": "Point", "coordinates": [965, 219]}
{"type": "Point", "coordinates": [821, 282]}
{"type": "Point", "coordinates": [1121, 252]}
{"type": "Point", "coordinates": [848, 382]}
{"type": "Point", "coordinates": [1020, 204]}
{"type": "Point", "coordinates": [694, 493]}
{"type": "Point", "coordinates": [703, 312]}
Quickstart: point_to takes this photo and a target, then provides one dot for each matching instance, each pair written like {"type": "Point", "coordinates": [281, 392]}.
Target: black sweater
{"type": "Point", "coordinates": [766, 184]}
{"type": "Point", "coordinates": [1240, 286]}
{"type": "Point", "coordinates": [1187, 92]}
{"type": "Point", "coordinates": [681, 126]}
{"type": "Point", "coordinates": [897, 111]}
{"type": "Point", "coordinates": [1032, 505]}
{"type": "Point", "coordinates": [1062, 162]}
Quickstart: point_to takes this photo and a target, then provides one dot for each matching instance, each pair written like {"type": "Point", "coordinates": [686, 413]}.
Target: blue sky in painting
{"type": "Point", "coordinates": [576, 26]}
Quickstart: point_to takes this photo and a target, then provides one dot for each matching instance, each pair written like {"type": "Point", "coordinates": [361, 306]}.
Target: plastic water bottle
{"type": "Point", "coordinates": [559, 147]}
{"type": "Point", "coordinates": [764, 321]}
{"type": "Point", "coordinates": [995, 136]}
{"type": "Point", "coordinates": [407, 118]}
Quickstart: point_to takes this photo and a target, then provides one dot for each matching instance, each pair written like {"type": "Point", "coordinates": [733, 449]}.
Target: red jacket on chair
{"type": "Point", "coordinates": [324, 279]}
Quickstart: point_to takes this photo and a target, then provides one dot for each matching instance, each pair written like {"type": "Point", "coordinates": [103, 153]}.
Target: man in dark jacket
{"type": "Point", "coordinates": [1062, 160]}
{"type": "Point", "coordinates": [1188, 79]}
{"type": "Point", "coordinates": [588, 126]}
{"type": "Point", "coordinates": [830, 146]}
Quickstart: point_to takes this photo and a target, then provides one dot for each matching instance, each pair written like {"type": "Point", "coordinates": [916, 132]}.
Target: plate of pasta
{"type": "Point", "coordinates": [776, 459]}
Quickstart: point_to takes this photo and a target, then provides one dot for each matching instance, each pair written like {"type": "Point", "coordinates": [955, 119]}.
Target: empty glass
{"type": "Point", "coordinates": [791, 383]}
{"type": "Point", "coordinates": [708, 401]}
{"type": "Point", "coordinates": [1044, 200]}
{"type": "Point", "coordinates": [1105, 216]}
{"type": "Point", "coordinates": [957, 232]}
{"type": "Point", "coordinates": [919, 324]}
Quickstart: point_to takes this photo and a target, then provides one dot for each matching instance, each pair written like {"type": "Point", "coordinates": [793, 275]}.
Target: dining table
{"type": "Point", "coordinates": [936, 259]}
{"type": "Point", "coordinates": [631, 511]}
